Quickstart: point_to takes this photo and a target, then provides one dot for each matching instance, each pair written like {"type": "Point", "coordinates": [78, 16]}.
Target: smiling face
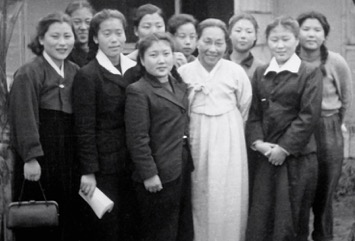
{"type": "Point", "coordinates": [158, 60]}
{"type": "Point", "coordinates": [81, 22]}
{"type": "Point", "coordinates": [282, 43]}
{"type": "Point", "coordinates": [243, 35]}
{"type": "Point", "coordinates": [186, 39]}
{"type": "Point", "coordinates": [58, 41]}
{"type": "Point", "coordinates": [312, 34]}
{"type": "Point", "coordinates": [150, 23]}
{"type": "Point", "coordinates": [111, 38]}
{"type": "Point", "coordinates": [211, 46]}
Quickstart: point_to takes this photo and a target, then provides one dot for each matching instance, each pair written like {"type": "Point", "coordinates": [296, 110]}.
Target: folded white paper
{"type": "Point", "coordinates": [99, 202]}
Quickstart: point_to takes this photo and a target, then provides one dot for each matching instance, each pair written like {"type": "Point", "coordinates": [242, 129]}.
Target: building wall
{"type": "Point", "coordinates": [334, 10]}
{"type": "Point", "coordinates": [25, 29]}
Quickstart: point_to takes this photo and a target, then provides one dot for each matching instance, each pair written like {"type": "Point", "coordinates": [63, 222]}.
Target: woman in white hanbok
{"type": "Point", "coordinates": [220, 96]}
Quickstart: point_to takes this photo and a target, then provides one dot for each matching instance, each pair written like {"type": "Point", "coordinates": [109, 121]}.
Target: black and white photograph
{"type": "Point", "coordinates": [177, 120]}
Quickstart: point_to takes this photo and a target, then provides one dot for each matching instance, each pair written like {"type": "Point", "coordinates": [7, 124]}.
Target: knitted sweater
{"type": "Point", "coordinates": [337, 89]}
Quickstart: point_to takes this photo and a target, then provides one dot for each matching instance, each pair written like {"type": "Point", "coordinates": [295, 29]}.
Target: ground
{"type": "Point", "coordinates": [344, 202]}
{"type": "Point", "coordinates": [344, 217]}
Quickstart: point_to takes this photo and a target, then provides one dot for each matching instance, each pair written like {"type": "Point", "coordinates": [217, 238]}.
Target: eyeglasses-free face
{"type": "Point", "coordinates": [150, 23]}
{"type": "Point", "coordinates": [282, 43]}
{"type": "Point", "coordinates": [158, 60]}
{"type": "Point", "coordinates": [211, 46]}
{"type": "Point", "coordinates": [312, 34]}
{"type": "Point", "coordinates": [111, 38]}
{"type": "Point", "coordinates": [58, 41]}
{"type": "Point", "coordinates": [81, 19]}
{"type": "Point", "coordinates": [186, 39]}
{"type": "Point", "coordinates": [243, 35]}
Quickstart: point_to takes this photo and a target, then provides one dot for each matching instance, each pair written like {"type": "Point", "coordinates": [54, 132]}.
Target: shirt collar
{"type": "Point", "coordinates": [248, 61]}
{"type": "Point", "coordinates": [106, 63]}
{"type": "Point", "coordinates": [292, 65]}
{"type": "Point", "coordinates": [60, 71]}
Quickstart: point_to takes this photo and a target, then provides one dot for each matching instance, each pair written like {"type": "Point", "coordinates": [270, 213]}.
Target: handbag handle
{"type": "Point", "coordinates": [23, 187]}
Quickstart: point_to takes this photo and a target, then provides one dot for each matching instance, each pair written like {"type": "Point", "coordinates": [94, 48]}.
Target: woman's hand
{"type": "Point", "coordinates": [277, 156]}
{"type": "Point", "coordinates": [179, 59]}
{"type": "Point", "coordinates": [32, 170]}
{"type": "Point", "coordinates": [264, 147]}
{"type": "Point", "coordinates": [153, 184]}
{"type": "Point", "coordinates": [88, 184]}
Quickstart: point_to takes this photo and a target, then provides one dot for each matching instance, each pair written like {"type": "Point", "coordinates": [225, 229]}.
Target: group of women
{"type": "Point", "coordinates": [190, 135]}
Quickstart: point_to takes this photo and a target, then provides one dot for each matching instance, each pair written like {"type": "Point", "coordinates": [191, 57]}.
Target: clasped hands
{"type": "Point", "coordinates": [276, 155]}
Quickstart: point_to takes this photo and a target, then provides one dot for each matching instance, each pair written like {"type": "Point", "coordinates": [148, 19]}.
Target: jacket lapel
{"type": "Point", "coordinates": [176, 98]}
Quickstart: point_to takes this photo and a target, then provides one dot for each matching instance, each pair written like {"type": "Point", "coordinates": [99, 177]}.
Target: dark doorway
{"type": "Point", "coordinates": [202, 9]}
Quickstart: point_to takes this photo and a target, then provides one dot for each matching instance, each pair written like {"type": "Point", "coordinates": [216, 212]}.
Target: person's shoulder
{"type": "Point", "coordinates": [261, 68]}
{"type": "Point", "coordinates": [336, 59]}
{"type": "Point", "coordinates": [140, 86]}
{"type": "Point", "coordinates": [188, 65]}
{"type": "Point", "coordinates": [334, 56]}
{"type": "Point", "coordinates": [308, 68]}
{"type": "Point", "coordinates": [231, 66]}
{"type": "Point", "coordinates": [309, 72]}
{"type": "Point", "coordinates": [87, 74]}
{"type": "Point", "coordinates": [71, 65]}
{"type": "Point", "coordinates": [36, 62]}
{"type": "Point", "coordinates": [33, 67]}
{"type": "Point", "coordinates": [89, 68]}
{"type": "Point", "coordinates": [257, 62]}
{"type": "Point", "coordinates": [188, 68]}
{"type": "Point", "coordinates": [133, 74]}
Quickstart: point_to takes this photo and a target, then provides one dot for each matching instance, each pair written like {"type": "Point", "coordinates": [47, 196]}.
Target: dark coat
{"type": "Point", "coordinates": [286, 108]}
{"type": "Point", "coordinates": [156, 121]}
{"type": "Point", "coordinates": [98, 102]}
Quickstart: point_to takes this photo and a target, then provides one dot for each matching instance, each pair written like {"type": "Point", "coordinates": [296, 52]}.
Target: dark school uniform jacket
{"type": "Point", "coordinates": [156, 122]}
{"type": "Point", "coordinates": [286, 108]}
{"type": "Point", "coordinates": [98, 103]}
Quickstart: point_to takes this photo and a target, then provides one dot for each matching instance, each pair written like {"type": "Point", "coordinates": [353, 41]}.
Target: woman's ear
{"type": "Point", "coordinates": [142, 61]}
{"type": "Point", "coordinates": [95, 40]}
{"type": "Point", "coordinates": [135, 30]}
{"type": "Point", "coordinates": [40, 40]}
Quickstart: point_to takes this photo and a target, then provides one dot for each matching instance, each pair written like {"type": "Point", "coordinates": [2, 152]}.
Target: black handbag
{"type": "Point", "coordinates": [32, 214]}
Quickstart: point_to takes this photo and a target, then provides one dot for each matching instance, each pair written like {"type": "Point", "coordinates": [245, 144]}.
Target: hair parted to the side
{"type": "Point", "coordinates": [286, 22]}
{"type": "Point", "coordinates": [144, 10]}
{"type": "Point", "coordinates": [79, 4]}
{"type": "Point", "coordinates": [42, 28]}
{"type": "Point", "coordinates": [178, 20]}
{"type": "Point", "coordinates": [98, 18]}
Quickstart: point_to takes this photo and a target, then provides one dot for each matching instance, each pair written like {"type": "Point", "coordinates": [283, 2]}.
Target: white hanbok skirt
{"type": "Point", "coordinates": [220, 178]}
